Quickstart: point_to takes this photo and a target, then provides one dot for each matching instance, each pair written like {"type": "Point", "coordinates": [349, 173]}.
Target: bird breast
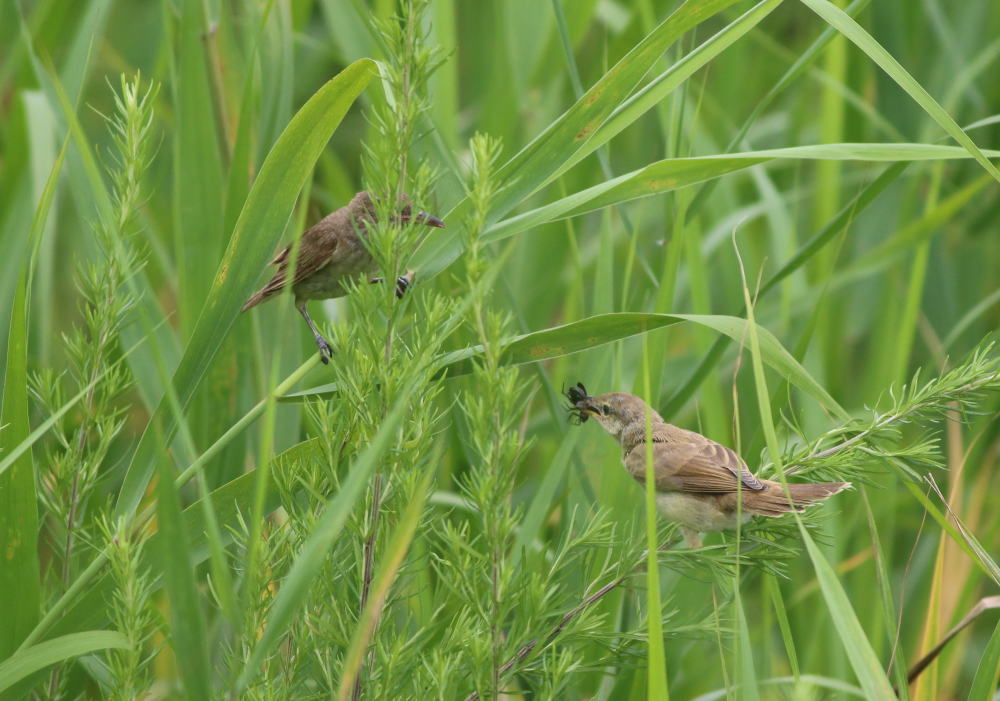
{"type": "Point", "coordinates": [705, 513]}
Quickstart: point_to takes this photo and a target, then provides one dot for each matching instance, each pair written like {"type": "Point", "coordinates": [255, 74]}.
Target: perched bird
{"type": "Point", "coordinates": [331, 254]}
{"type": "Point", "coordinates": [696, 478]}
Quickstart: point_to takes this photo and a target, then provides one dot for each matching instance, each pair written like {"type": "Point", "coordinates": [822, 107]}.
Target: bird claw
{"type": "Point", "coordinates": [403, 283]}
{"type": "Point", "coordinates": [325, 351]}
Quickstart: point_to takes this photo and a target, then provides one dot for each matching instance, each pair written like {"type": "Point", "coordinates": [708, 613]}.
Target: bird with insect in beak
{"type": "Point", "coordinates": [331, 255]}
{"type": "Point", "coordinates": [701, 485]}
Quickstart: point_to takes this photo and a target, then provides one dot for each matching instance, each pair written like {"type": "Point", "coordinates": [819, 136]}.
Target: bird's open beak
{"type": "Point", "coordinates": [429, 220]}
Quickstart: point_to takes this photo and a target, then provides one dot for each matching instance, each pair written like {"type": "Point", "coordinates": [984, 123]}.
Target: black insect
{"type": "Point", "coordinates": [576, 395]}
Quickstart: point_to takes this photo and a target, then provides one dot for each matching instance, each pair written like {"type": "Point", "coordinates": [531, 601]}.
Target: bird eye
{"type": "Point", "coordinates": [606, 409]}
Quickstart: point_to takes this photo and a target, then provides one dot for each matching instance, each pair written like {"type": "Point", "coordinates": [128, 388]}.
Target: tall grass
{"type": "Point", "coordinates": [774, 219]}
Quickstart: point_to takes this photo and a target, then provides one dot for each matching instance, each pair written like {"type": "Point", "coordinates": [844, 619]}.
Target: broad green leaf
{"type": "Point", "coordinates": [598, 330]}
{"type": "Point", "coordinates": [675, 173]}
{"type": "Point", "coordinates": [187, 629]}
{"type": "Point", "coordinates": [312, 556]}
{"type": "Point", "coordinates": [548, 152]}
{"type": "Point", "coordinates": [19, 575]}
{"type": "Point", "coordinates": [38, 657]}
{"type": "Point", "coordinates": [843, 23]}
{"type": "Point", "coordinates": [257, 232]}
{"type": "Point", "coordinates": [985, 681]}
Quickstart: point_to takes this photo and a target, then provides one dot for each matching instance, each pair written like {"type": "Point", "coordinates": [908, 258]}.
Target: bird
{"type": "Point", "coordinates": [698, 481]}
{"type": "Point", "coordinates": [331, 255]}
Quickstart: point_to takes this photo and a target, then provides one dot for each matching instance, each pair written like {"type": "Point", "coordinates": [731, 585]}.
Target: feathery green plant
{"type": "Point", "coordinates": [430, 526]}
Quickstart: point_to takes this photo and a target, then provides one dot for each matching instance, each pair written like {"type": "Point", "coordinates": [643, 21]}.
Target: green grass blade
{"type": "Point", "coordinates": [20, 584]}
{"type": "Point", "coordinates": [805, 253]}
{"type": "Point", "coordinates": [313, 554]}
{"type": "Point", "coordinates": [862, 656]}
{"type": "Point", "coordinates": [557, 144]}
{"type": "Point", "coordinates": [859, 650]}
{"type": "Point", "coordinates": [19, 576]}
{"type": "Point", "coordinates": [671, 174]}
{"type": "Point", "coordinates": [661, 86]}
{"type": "Point", "coordinates": [392, 560]}
{"type": "Point", "coordinates": [602, 329]}
{"type": "Point", "coordinates": [983, 557]}
{"type": "Point", "coordinates": [985, 682]}
{"type": "Point", "coordinates": [38, 657]}
{"type": "Point", "coordinates": [843, 23]}
{"type": "Point", "coordinates": [794, 71]}
{"type": "Point", "coordinates": [747, 687]}
{"type": "Point", "coordinates": [187, 630]}
{"type": "Point", "coordinates": [542, 498]}
{"type": "Point", "coordinates": [657, 662]}
{"type": "Point", "coordinates": [771, 583]}
{"type": "Point", "coordinates": [888, 607]}
{"type": "Point", "coordinates": [260, 225]}
{"type": "Point", "coordinates": [198, 176]}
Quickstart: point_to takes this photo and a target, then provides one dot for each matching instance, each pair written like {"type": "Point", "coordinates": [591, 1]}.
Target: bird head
{"type": "Point", "coordinates": [614, 411]}
{"type": "Point", "coordinates": [363, 208]}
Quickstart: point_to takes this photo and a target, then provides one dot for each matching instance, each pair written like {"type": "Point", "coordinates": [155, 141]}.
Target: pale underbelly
{"type": "Point", "coordinates": [332, 279]}
{"type": "Point", "coordinates": [698, 511]}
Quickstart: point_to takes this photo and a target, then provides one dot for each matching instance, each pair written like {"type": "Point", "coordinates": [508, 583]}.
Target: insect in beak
{"type": "Point", "coordinates": [580, 408]}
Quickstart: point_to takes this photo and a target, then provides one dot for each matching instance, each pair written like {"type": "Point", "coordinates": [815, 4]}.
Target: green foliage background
{"type": "Point", "coordinates": [871, 230]}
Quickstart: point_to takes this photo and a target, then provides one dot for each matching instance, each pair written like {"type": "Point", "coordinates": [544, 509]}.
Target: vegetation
{"type": "Point", "coordinates": [773, 220]}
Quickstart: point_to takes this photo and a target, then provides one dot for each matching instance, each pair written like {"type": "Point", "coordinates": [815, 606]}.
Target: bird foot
{"type": "Point", "coordinates": [325, 351]}
{"type": "Point", "coordinates": [403, 283]}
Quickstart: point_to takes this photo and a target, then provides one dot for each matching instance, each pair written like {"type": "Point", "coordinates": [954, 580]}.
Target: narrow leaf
{"type": "Point", "coordinates": [38, 657]}
{"type": "Point", "coordinates": [843, 23]}
{"type": "Point", "coordinates": [985, 681]}
{"type": "Point", "coordinates": [20, 587]}
{"type": "Point", "coordinates": [187, 619]}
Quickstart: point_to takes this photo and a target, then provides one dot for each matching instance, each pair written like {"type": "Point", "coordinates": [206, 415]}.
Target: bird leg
{"type": "Point", "coordinates": [325, 351]}
{"type": "Point", "coordinates": [403, 283]}
{"type": "Point", "coordinates": [691, 537]}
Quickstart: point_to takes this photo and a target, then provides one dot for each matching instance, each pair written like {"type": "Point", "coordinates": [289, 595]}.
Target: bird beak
{"type": "Point", "coordinates": [583, 410]}
{"type": "Point", "coordinates": [429, 220]}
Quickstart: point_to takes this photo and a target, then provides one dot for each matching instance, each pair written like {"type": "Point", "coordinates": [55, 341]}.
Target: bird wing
{"type": "Point", "coordinates": [692, 466]}
{"type": "Point", "coordinates": [311, 258]}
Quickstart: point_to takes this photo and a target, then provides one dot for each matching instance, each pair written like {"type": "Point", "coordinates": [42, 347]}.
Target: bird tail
{"type": "Point", "coordinates": [254, 300]}
{"type": "Point", "coordinates": [773, 501]}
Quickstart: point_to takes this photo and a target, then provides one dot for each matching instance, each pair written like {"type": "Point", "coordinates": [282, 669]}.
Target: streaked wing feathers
{"type": "Point", "coordinates": [696, 466]}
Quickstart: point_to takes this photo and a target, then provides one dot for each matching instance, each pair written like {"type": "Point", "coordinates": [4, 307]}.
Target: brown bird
{"type": "Point", "coordinates": [332, 254]}
{"type": "Point", "coordinates": [696, 478]}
